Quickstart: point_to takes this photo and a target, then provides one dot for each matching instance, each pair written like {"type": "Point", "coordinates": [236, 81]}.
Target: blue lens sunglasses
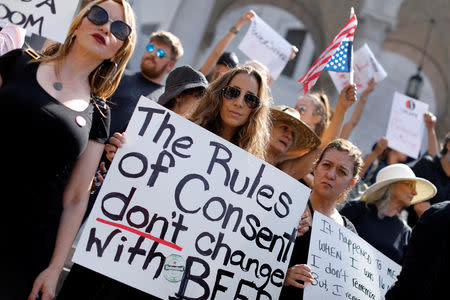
{"type": "Point", "coordinates": [159, 52]}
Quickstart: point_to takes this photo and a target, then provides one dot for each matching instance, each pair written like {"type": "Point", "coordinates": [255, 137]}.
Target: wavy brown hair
{"type": "Point", "coordinates": [353, 152]}
{"type": "Point", "coordinates": [106, 77]}
{"type": "Point", "coordinates": [254, 135]}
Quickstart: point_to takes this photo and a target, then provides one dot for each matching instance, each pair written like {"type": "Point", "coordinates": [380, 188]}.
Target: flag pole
{"type": "Point", "coordinates": [352, 12]}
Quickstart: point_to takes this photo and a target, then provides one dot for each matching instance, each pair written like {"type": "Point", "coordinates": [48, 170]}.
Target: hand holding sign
{"type": "Point", "coordinates": [406, 125]}
{"type": "Point", "coordinates": [264, 44]}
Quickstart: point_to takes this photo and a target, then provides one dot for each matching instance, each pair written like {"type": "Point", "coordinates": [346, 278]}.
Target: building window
{"type": "Point", "coordinates": [294, 37]}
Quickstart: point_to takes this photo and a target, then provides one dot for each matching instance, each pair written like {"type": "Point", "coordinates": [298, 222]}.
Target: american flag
{"type": "Point", "coordinates": [346, 33]}
{"type": "Point", "coordinates": [340, 62]}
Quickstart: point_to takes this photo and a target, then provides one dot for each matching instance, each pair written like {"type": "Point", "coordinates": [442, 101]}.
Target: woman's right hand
{"type": "Point", "coordinates": [347, 96]}
{"type": "Point", "coordinates": [246, 18]}
{"type": "Point", "coordinates": [115, 142]}
{"type": "Point", "coordinates": [297, 273]}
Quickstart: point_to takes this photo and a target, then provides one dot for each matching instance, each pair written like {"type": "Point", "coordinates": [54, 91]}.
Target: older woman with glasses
{"type": "Point", "coordinates": [58, 121]}
{"type": "Point", "coordinates": [376, 216]}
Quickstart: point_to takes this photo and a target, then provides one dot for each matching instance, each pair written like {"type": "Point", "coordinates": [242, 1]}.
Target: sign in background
{"type": "Point", "coordinates": [48, 18]}
{"type": "Point", "coordinates": [184, 213]}
{"type": "Point", "coordinates": [264, 44]}
{"type": "Point", "coordinates": [365, 67]}
{"type": "Point", "coordinates": [406, 125]}
{"type": "Point", "coordinates": [345, 266]}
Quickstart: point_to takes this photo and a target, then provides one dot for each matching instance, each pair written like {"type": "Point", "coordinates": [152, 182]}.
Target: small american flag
{"type": "Point", "coordinates": [345, 34]}
{"type": "Point", "coordinates": [340, 62]}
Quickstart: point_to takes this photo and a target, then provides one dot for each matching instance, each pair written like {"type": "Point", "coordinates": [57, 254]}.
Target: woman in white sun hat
{"type": "Point", "coordinates": [376, 215]}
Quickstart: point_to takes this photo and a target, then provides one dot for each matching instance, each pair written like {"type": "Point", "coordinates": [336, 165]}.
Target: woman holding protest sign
{"type": "Point", "coordinates": [235, 107]}
{"type": "Point", "coordinates": [55, 110]}
{"type": "Point", "coordinates": [336, 171]}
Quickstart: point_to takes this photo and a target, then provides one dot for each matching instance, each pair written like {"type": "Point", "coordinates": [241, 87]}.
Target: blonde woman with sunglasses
{"type": "Point", "coordinates": [56, 122]}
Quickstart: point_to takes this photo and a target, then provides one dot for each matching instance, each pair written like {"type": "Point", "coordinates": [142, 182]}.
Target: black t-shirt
{"type": "Point", "coordinates": [300, 256]}
{"type": "Point", "coordinates": [127, 95]}
{"type": "Point", "coordinates": [390, 235]}
{"type": "Point", "coordinates": [425, 270]}
{"type": "Point", "coordinates": [431, 169]}
{"type": "Point", "coordinates": [42, 139]}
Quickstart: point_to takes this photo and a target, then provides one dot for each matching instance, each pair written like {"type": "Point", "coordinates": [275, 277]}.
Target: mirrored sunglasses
{"type": "Point", "coordinates": [99, 16]}
{"type": "Point", "coordinates": [301, 109]}
{"type": "Point", "coordinates": [232, 92]}
{"type": "Point", "coordinates": [159, 52]}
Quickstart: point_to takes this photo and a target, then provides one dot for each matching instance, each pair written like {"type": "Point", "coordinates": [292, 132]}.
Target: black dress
{"type": "Point", "coordinates": [300, 256]}
{"type": "Point", "coordinates": [42, 140]}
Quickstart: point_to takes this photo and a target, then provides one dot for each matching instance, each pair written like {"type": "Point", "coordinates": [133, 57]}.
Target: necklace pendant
{"type": "Point", "coordinates": [57, 86]}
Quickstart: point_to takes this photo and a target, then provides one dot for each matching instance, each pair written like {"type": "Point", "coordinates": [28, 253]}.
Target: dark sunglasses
{"type": "Point", "coordinates": [99, 16]}
{"type": "Point", "coordinates": [232, 92]}
{"type": "Point", "coordinates": [159, 52]}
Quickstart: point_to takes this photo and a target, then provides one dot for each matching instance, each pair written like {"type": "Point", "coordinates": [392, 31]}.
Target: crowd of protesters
{"type": "Point", "coordinates": [387, 198]}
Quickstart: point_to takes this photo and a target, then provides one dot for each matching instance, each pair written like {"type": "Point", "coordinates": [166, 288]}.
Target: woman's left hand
{"type": "Point", "coordinates": [46, 284]}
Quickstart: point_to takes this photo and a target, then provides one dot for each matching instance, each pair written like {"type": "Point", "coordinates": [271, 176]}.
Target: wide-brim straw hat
{"type": "Point", "coordinates": [396, 173]}
{"type": "Point", "coordinates": [304, 137]}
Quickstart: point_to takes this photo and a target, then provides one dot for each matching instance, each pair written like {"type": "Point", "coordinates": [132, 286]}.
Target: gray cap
{"type": "Point", "coordinates": [179, 80]}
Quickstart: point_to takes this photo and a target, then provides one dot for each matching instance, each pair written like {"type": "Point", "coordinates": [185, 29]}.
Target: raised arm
{"type": "Point", "coordinates": [75, 199]}
{"type": "Point", "coordinates": [299, 167]}
{"type": "Point", "coordinates": [222, 45]}
{"type": "Point", "coordinates": [368, 160]}
{"type": "Point", "coordinates": [356, 116]}
{"type": "Point", "coordinates": [430, 122]}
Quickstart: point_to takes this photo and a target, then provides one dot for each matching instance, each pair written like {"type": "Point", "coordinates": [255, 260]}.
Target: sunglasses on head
{"type": "Point", "coordinates": [99, 16]}
{"type": "Point", "coordinates": [301, 109]}
{"type": "Point", "coordinates": [159, 52]}
{"type": "Point", "coordinates": [232, 92]}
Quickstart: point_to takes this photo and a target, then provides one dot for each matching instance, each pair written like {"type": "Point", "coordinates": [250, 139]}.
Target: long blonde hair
{"type": "Point", "coordinates": [254, 135]}
{"type": "Point", "coordinates": [106, 77]}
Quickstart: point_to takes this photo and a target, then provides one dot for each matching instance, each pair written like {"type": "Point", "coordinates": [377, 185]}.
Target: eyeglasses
{"type": "Point", "coordinates": [232, 92]}
{"type": "Point", "coordinates": [159, 52]}
{"type": "Point", "coordinates": [99, 16]}
{"type": "Point", "coordinates": [301, 109]}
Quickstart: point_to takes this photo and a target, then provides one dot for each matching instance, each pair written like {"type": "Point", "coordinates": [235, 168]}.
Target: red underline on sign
{"type": "Point", "coordinates": [146, 235]}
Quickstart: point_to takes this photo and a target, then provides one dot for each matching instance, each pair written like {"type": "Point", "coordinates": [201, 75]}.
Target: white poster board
{"type": "Point", "coordinates": [365, 67]}
{"type": "Point", "coordinates": [264, 44]}
{"type": "Point", "coordinates": [48, 18]}
{"type": "Point", "coordinates": [406, 125]}
{"type": "Point", "coordinates": [344, 265]}
{"type": "Point", "coordinates": [184, 212]}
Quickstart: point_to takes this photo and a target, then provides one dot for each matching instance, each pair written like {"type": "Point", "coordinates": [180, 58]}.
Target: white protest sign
{"type": "Point", "coordinates": [365, 67]}
{"type": "Point", "coordinates": [264, 44]}
{"type": "Point", "coordinates": [406, 125]}
{"type": "Point", "coordinates": [184, 213]}
{"type": "Point", "coordinates": [344, 265]}
{"type": "Point", "coordinates": [47, 18]}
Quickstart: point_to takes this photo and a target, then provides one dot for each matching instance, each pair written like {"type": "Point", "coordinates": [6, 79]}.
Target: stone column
{"type": "Point", "coordinates": [376, 18]}
{"type": "Point", "coordinates": [189, 24]}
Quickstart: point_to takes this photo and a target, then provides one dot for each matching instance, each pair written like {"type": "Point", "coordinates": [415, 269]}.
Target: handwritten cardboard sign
{"type": "Point", "coordinates": [47, 18]}
{"type": "Point", "coordinates": [264, 44]}
{"type": "Point", "coordinates": [344, 265]}
{"type": "Point", "coordinates": [184, 213]}
{"type": "Point", "coordinates": [406, 125]}
{"type": "Point", "coordinates": [365, 67]}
